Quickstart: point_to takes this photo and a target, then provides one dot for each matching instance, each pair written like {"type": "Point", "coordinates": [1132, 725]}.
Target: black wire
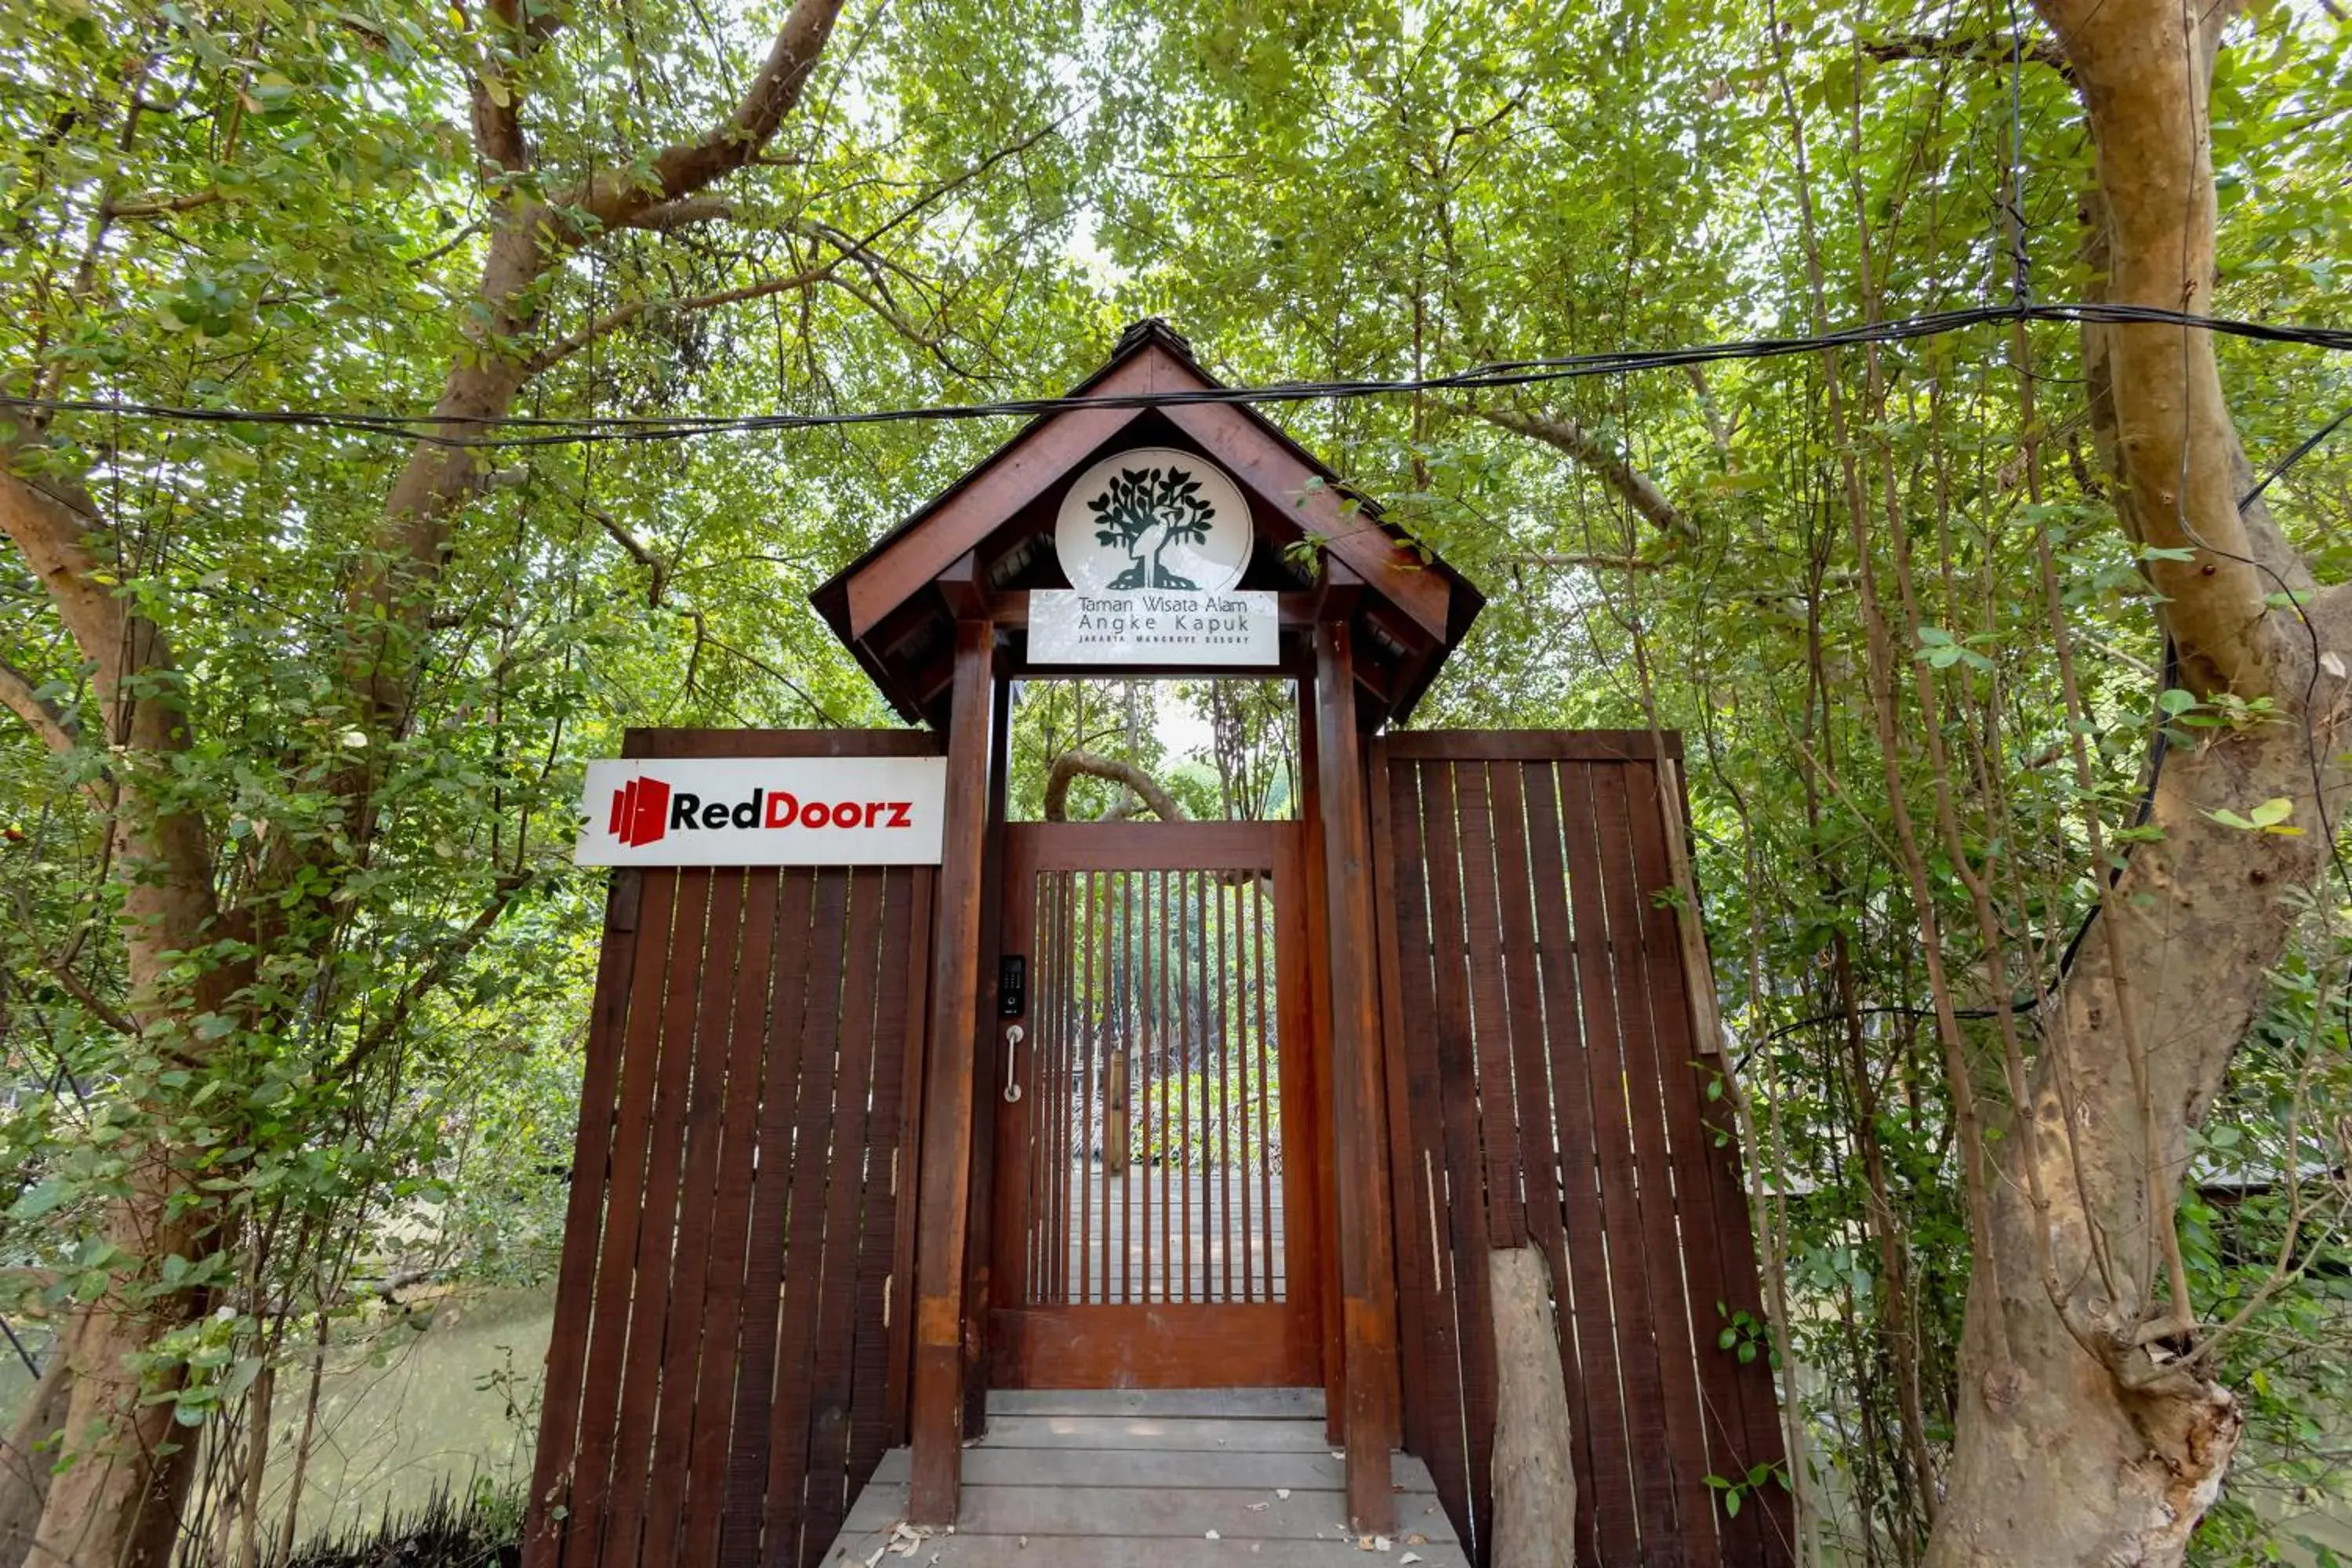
{"type": "Point", "coordinates": [447, 430]}
{"type": "Point", "coordinates": [22, 1354]}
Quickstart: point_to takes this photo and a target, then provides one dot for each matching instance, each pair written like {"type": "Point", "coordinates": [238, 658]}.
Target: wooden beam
{"type": "Point", "coordinates": [1531, 745]}
{"type": "Point", "coordinates": [1228, 433]}
{"type": "Point", "coordinates": [1359, 1107]}
{"type": "Point", "coordinates": [1010, 480]}
{"type": "Point", "coordinates": [949, 1092]}
{"type": "Point", "coordinates": [964, 588]}
{"type": "Point", "coordinates": [656, 742]}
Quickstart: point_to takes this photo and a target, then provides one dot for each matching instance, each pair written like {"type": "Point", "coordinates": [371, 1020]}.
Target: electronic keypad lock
{"type": "Point", "coordinates": [1011, 986]}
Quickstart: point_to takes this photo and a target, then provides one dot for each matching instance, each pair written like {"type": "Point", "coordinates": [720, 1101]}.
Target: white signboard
{"type": "Point", "coordinates": [1154, 517]}
{"type": "Point", "coordinates": [1162, 626]}
{"type": "Point", "coordinates": [764, 810]}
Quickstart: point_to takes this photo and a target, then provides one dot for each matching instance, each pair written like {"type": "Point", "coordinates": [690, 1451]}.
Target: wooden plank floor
{"type": "Point", "coordinates": [1160, 1479]}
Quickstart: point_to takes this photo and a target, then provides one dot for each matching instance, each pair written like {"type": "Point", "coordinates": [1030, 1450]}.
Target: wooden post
{"type": "Point", "coordinates": [1358, 1109]}
{"type": "Point", "coordinates": [1534, 1520]}
{"type": "Point", "coordinates": [1312, 1087]}
{"type": "Point", "coordinates": [948, 1092]}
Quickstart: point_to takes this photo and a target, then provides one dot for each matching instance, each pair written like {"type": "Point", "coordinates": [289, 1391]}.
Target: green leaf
{"type": "Point", "coordinates": [46, 1198]}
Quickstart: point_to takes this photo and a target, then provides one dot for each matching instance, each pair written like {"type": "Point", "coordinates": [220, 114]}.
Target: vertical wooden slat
{"type": "Point", "coordinates": [902, 1288]}
{"type": "Point", "coordinates": [649, 1288]}
{"type": "Point", "coordinates": [1153, 980]}
{"type": "Point", "coordinates": [832, 1365]}
{"type": "Point", "coordinates": [763, 1267]}
{"type": "Point", "coordinates": [1276, 1265]}
{"type": "Point", "coordinates": [1396, 870]}
{"type": "Point", "coordinates": [635, 904]}
{"type": "Point", "coordinates": [1090, 999]}
{"type": "Point", "coordinates": [1171, 999]}
{"type": "Point", "coordinates": [704, 1492]}
{"type": "Point", "coordinates": [1718, 1254]}
{"type": "Point", "coordinates": [1498, 1139]}
{"type": "Point", "coordinates": [683, 1337]}
{"type": "Point", "coordinates": [1190, 1045]}
{"type": "Point", "coordinates": [1238, 1068]}
{"type": "Point", "coordinates": [1064, 1082]}
{"type": "Point", "coordinates": [1360, 1152]}
{"type": "Point", "coordinates": [1130, 949]}
{"type": "Point", "coordinates": [869, 1430]}
{"type": "Point", "coordinates": [1583, 1267]}
{"type": "Point", "coordinates": [1466, 1211]}
{"type": "Point", "coordinates": [1315, 1082]}
{"type": "Point", "coordinates": [1628, 1289]}
{"type": "Point", "coordinates": [1293, 1041]}
{"type": "Point", "coordinates": [1539, 1118]}
{"type": "Point", "coordinates": [788, 1416]}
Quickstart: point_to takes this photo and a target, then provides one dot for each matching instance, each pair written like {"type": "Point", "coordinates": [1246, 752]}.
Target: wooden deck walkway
{"type": "Point", "coordinates": [1170, 1478]}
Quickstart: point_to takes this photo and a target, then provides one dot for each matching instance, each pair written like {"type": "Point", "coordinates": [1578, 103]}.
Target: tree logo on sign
{"type": "Point", "coordinates": [1154, 519]}
{"type": "Point", "coordinates": [1141, 512]}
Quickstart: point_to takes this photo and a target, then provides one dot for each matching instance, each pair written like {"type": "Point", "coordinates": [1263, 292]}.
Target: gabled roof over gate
{"type": "Point", "coordinates": [989, 538]}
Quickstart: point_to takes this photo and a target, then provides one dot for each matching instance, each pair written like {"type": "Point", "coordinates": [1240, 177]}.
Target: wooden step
{"type": "Point", "coordinates": [1283, 1403]}
{"type": "Point", "coordinates": [1160, 1479]}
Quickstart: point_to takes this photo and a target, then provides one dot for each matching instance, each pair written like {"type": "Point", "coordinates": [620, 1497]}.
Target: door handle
{"type": "Point", "coordinates": [1013, 1038]}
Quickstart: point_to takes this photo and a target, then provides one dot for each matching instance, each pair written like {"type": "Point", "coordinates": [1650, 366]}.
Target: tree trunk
{"type": "Point", "coordinates": [2091, 1429]}
{"type": "Point", "coordinates": [1535, 1487]}
{"type": "Point", "coordinates": [2148, 1434]}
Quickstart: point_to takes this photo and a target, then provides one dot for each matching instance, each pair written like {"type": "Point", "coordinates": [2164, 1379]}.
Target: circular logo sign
{"type": "Point", "coordinates": [1154, 517]}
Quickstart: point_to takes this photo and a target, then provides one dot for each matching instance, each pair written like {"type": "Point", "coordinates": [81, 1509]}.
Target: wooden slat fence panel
{"type": "Point", "coordinates": [725, 1367]}
{"type": "Point", "coordinates": [1540, 1038]}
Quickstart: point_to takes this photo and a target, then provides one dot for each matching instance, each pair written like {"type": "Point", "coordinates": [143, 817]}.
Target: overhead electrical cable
{"type": "Point", "coordinates": [510, 431]}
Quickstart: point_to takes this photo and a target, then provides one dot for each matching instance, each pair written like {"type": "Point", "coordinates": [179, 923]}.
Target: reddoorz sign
{"type": "Point", "coordinates": [764, 810]}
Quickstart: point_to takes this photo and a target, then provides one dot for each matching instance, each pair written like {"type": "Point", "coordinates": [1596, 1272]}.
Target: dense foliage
{"type": "Point", "coordinates": [254, 205]}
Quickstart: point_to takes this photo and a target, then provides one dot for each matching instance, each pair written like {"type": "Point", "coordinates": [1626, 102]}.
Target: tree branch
{"type": "Point", "coordinates": [60, 971]}
{"type": "Point", "coordinates": [1070, 765]}
{"type": "Point", "coordinates": [52, 723]}
{"type": "Point", "coordinates": [1992, 48]}
{"type": "Point", "coordinates": [617, 198]}
{"type": "Point", "coordinates": [557, 352]}
{"type": "Point", "coordinates": [1589, 562]}
{"type": "Point", "coordinates": [669, 216]}
{"type": "Point", "coordinates": [1636, 488]}
{"type": "Point", "coordinates": [638, 551]}
{"type": "Point", "coordinates": [161, 206]}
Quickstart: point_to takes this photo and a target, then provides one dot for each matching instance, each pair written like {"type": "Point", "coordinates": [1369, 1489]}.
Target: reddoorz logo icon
{"type": "Point", "coordinates": [638, 810]}
{"type": "Point", "coordinates": [644, 810]}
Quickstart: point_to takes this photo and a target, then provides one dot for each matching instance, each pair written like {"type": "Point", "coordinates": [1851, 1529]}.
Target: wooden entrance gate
{"type": "Point", "coordinates": [1276, 1090]}
{"type": "Point", "coordinates": [1142, 1187]}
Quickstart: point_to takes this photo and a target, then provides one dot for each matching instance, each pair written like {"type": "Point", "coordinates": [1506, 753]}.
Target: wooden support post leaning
{"type": "Point", "coordinates": [1358, 1110]}
{"type": "Point", "coordinates": [944, 1189]}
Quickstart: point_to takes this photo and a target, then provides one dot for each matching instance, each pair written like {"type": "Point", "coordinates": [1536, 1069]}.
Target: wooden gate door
{"type": "Point", "coordinates": [1154, 1110]}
